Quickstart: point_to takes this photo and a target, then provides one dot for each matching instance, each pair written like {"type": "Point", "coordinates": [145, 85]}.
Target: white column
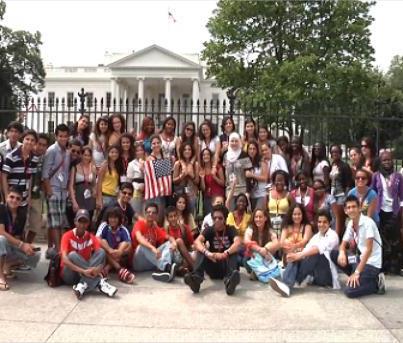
{"type": "Point", "coordinates": [118, 93]}
{"type": "Point", "coordinates": [113, 88]}
{"type": "Point", "coordinates": [140, 91]}
{"type": "Point", "coordinates": [168, 93]}
{"type": "Point", "coordinates": [195, 94]}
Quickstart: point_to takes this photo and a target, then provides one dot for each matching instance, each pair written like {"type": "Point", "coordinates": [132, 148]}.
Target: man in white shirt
{"type": "Point", "coordinates": [313, 264]}
{"type": "Point", "coordinates": [363, 268]}
{"type": "Point", "coordinates": [208, 219]}
{"type": "Point", "coordinates": [14, 132]}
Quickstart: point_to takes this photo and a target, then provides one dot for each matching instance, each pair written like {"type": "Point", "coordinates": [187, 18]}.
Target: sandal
{"type": "Point", "coordinates": [126, 276]}
{"type": "Point", "coordinates": [4, 286]}
{"type": "Point", "coordinates": [10, 275]}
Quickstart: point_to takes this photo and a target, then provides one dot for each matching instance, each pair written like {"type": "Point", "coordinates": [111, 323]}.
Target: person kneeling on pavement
{"type": "Point", "coordinates": [115, 240]}
{"type": "Point", "coordinates": [363, 262]}
{"type": "Point", "coordinates": [82, 259]}
{"type": "Point", "coordinates": [13, 250]}
{"type": "Point", "coordinates": [313, 264]}
{"type": "Point", "coordinates": [220, 260]}
{"type": "Point", "coordinates": [153, 248]}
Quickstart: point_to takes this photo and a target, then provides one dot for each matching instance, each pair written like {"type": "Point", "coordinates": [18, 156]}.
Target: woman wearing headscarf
{"type": "Point", "coordinates": [236, 162]}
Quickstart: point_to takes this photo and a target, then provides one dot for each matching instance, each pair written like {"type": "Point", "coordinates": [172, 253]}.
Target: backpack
{"type": "Point", "coordinates": [53, 276]}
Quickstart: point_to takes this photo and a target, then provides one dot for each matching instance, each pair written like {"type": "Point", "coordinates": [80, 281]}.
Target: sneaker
{"type": "Point", "coordinates": [252, 276]}
{"type": "Point", "coordinates": [279, 287]}
{"type": "Point", "coordinates": [307, 281]}
{"type": "Point", "coordinates": [23, 268]}
{"type": "Point", "coordinates": [107, 288]}
{"type": "Point", "coordinates": [80, 289]}
{"type": "Point", "coordinates": [161, 276]}
{"type": "Point", "coordinates": [172, 272]}
{"type": "Point", "coordinates": [193, 281]}
{"type": "Point", "coordinates": [232, 282]}
{"type": "Point", "coordinates": [381, 283]}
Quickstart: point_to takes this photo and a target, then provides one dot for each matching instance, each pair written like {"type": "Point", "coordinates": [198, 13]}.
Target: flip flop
{"type": "Point", "coordinates": [4, 286]}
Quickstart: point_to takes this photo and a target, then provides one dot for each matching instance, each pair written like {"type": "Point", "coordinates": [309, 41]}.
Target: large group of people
{"type": "Point", "coordinates": [122, 202]}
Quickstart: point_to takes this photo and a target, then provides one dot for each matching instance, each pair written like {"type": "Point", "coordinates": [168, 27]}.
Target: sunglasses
{"type": "Point", "coordinates": [218, 218]}
{"type": "Point", "coordinates": [189, 129]}
{"type": "Point", "coordinates": [15, 197]}
{"type": "Point", "coordinates": [361, 178]}
{"type": "Point", "coordinates": [364, 146]}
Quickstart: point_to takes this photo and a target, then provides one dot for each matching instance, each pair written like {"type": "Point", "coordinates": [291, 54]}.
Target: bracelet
{"type": "Point", "coordinates": [205, 252]}
{"type": "Point", "coordinates": [20, 244]}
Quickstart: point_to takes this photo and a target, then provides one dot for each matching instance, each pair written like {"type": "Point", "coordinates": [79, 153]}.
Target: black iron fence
{"type": "Point", "coordinates": [319, 123]}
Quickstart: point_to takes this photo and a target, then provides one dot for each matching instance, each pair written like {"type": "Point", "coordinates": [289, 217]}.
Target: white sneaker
{"type": "Point", "coordinates": [80, 289]}
{"type": "Point", "coordinates": [279, 287]}
{"type": "Point", "coordinates": [307, 281]}
{"type": "Point", "coordinates": [107, 288]}
{"type": "Point", "coordinates": [172, 272]}
{"type": "Point", "coordinates": [381, 283]}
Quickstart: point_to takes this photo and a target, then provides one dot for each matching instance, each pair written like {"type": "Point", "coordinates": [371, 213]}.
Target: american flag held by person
{"type": "Point", "coordinates": [157, 178]}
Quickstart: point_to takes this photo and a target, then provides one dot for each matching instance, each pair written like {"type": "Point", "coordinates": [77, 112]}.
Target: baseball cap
{"type": "Point", "coordinates": [82, 214]}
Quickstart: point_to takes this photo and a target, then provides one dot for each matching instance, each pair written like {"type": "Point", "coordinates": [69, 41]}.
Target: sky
{"type": "Point", "coordinates": [78, 32]}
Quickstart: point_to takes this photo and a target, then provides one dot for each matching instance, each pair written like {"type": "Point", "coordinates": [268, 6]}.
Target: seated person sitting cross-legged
{"type": "Point", "coordinates": [153, 248]}
{"type": "Point", "coordinates": [220, 260]}
{"type": "Point", "coordinates": [115, 240]}
{"type": "Point", "coordinates": [13, 250]}
{"type": "Point", "coordinates": [363, 262]}
{"type": "Point", "coordinates": [82, 259]}
{"type": "Point", "coordinates": [313, 264]}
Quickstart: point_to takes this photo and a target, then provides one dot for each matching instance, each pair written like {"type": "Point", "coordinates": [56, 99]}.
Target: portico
{"type": "Point", "coordinates": [169, 77]}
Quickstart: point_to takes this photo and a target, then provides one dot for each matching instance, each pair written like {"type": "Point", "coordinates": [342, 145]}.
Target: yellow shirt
{"type": "Point", "coordinates": [278, 207]}
{"type": "Point", "coordinates": [241, 228]}
{"type": "Point", "coordinates": [110, 183]}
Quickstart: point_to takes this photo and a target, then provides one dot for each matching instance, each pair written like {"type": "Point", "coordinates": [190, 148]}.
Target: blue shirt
{"type": "Point", "coordinates": [56, 167]}
{"type": "Point", "coordinates": [113, 239]}
{"type": "Point", "coordinates": [370, 196]}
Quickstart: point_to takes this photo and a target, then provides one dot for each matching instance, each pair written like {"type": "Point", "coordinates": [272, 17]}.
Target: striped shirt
{"type": "Point", "coordinates": [19, 172]}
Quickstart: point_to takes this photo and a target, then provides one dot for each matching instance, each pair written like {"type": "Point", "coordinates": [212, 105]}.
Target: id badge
{"type": "Point", "coordinates": [187, 190]}
{"type": "Point", "coordinates": [60, 177]}
{"type": "Point", "coordinates": [276, 222]}
{"type": "Point", "coordinates": [87, 194]}
{"type": "Point", "coordinates": [352, 259]}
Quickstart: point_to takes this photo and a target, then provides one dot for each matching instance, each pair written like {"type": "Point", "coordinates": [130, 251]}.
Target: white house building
{"type": "Point", "coordinates": [151, 73]}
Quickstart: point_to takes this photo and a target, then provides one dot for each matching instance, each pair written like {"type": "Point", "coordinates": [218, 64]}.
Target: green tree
{"type": "Point", "coordinates": [21, 68]}
{"type": "Point", "coordinates": [295, 58]}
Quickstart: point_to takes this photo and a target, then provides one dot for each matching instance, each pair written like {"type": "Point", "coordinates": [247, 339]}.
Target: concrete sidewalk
{"type": "Point", "coordinates": [151, 311]}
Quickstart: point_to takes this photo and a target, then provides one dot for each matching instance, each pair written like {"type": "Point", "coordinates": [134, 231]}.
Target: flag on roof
{"type": "Point", "coordinates": [171, 16]}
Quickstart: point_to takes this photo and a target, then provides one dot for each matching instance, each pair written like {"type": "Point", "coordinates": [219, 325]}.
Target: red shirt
{"type": "Point", "coordinates": [155, 235]}
{"type": "Point", "coordinates": [176, 233]}
{"type": "Point", "coordinates": [212, 187]}
{"type": "Point", "coordinates": [85, 245]}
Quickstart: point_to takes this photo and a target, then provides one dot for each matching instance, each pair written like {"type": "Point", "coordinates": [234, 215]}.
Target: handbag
{"type": "Point", "coordinates": [264, 269]}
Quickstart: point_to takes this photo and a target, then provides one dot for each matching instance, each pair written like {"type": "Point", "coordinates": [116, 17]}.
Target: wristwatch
{"type": "Point", "coordinates": [356, 272]}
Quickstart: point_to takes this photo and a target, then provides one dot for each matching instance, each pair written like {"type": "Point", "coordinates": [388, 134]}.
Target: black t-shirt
{"type": "Point", "coordinates": [16, 228]}
{"type": "Point", "coordinates": [219, 241]}
{"type": "Point", "coordinates": [128, 214]}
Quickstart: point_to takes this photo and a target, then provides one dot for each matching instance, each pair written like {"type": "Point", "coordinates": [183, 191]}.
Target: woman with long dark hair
{"type": "Point", "coordinates": [186, 175]}
{"type": "Point", "coordinates": [109, 177]}
{"type": "Point", "coordinates": [211, 184]}
{"type": "Point", "coordinates": [99, 141]}
{"type": "Point", "coordinates": [126, 143]}
{"type": "Point", "coordinates": [168, 139]}
{"type": "Point", "coordinates": [320, 166]}
{"type": "Point", "coordinates": [356, 159]}
{"type": "Point", "coordinates": [82, 130]}
{"type": "Point", "coordinates": [144, 136]}
{"type": "Point", "coordinates": [304, 195]}
{"type": "Point", "coordinates": [296, 230]}
{"type": "Point", "coordinates": [299, 158]}
{"type": "Point", "coordinates": [257, 177]}
{"type": "Point", "coordinates": [135, 174]}
{"type": "Point", "coordinates": [368, 149]}
{"type": "Point", "coordinates": [209, 139]}
{"type": "Point", "coordinates": [227, 127]}
{"type": "Point", "coordinates": [250, 133]}
{"type": "Point", "coordinates": [189, 135]}
{"type": "Point", "coordinates": [117, 126]}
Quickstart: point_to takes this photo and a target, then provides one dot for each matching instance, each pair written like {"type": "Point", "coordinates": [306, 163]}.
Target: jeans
{"type": "Point", "coordinates": [368, 278]}
{"type": "Point", "coordinates": [144, 259]}
{"type": "Point", "coordinates": [13, 253]}
{"type": "Point", "coordinates": [71, 278]}
{"type": "Point", "coordinates": [216, 270]}
{"type": "Point", "coordinates": [316, 266]}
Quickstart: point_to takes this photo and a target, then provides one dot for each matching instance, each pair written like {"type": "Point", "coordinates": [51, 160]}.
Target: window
{"type": "Point", "coordinates": [70, 70]}
{"type": "Point", "coordinates": [90, 99]}
{"type": "Point", "coordinates": [108, 99]}
{"type": "Point", "coordinates": [51, 98]}
{"type": "Point", "coordinates": [70, 99]}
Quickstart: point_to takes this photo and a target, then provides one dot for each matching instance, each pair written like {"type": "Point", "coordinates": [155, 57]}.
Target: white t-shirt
{"type": "Point", "coordinates": [366, 229]}
{"type": "Point", "coordinates": [277, 162]}
{"type": "Point", "coordinates": [211, 146]}
{"type": "Point", "coordinates": [387, 203]}
{"type": "Point", "coordinates": [318, 170]}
